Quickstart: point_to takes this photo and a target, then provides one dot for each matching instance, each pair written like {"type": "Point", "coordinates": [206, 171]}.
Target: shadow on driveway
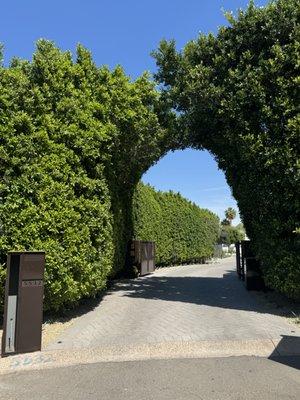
{"type": "Point", "coordinates": [225, 292]}
{"type": "Point", "coordinates": [287, 345]}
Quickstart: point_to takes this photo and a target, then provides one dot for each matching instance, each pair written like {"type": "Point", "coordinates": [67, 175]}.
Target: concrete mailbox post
{"type": "Point", "coordinates": [23, 308]}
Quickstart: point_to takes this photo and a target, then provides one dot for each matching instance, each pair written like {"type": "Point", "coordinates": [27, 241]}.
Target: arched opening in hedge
{"type": "Point", "coordinates": [195, 174]}
{"type": "Point", "coordinates": [179, 204]}
{"type": "Point", "coordinates": [235, 94]}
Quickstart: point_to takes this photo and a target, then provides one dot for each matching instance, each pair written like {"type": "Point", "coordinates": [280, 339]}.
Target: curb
{"type": "Point", "coordinates": [167, 350]}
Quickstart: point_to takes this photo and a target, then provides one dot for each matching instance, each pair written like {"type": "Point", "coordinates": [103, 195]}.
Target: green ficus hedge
{"type": "Point", "coordinates": [67, 130]}
{"type": "Point", "coordinates": [182, 231]}
{"type": "Point", "coordinates": [237, 95]}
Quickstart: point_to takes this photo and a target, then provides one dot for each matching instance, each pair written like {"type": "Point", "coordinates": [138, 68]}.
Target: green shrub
{"type": "Point", "coordinates": [230, 234]}
{"type": "Point", "coordinates": [68, 133]}
{"type": "Point", "coordinates": [182, 231]}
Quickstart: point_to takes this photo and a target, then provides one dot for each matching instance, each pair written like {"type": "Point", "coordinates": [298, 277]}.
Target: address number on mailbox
{"type": "Point", "coordinates": [31, 283]}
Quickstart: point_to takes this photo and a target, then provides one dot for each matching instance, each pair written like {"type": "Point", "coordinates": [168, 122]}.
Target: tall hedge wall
{"type": "Point", "coordinates": [183, 232]}
{"type": "Point", "coordinates": [69, 135]}
{"type": "Point", "coordinates": [237, 94]}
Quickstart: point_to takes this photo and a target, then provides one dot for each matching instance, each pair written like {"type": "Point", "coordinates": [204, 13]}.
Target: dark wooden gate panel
{"type": "Point", "coordinates": [142, 255]}
{"type": "Point", "coordinates": [248, 266]}
{"type": "Point", "coordinates": [151, 258]}
{"type": "Point", "coordinates": [238, 260]}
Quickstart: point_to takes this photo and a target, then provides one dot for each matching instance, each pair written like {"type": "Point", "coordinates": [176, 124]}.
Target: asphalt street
{"type": "Point", "coordinates": [231, 378]}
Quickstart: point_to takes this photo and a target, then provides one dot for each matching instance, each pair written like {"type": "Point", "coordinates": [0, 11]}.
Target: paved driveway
{"type": "Point", "coordinates": [184, 304]}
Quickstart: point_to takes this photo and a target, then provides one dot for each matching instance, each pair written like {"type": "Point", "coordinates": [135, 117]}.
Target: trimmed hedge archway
{"type": "Point", "coordinates": [237, 95]}
{"type": "Point", "coordinates": [75, 140]}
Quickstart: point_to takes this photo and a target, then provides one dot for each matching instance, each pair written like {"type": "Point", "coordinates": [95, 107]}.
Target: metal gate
{"type": "Point", "coordinates": [239, 261]}
{"type": "Point", "coordinates": [147, 257]}
{"type": "Point", "coordinates": [248, 266]}
{"type": "Point", "coordinates": [142, 254]}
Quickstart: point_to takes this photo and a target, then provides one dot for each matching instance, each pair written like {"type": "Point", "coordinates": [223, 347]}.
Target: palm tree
{"type": "Point", "coordinates": [230, 214]}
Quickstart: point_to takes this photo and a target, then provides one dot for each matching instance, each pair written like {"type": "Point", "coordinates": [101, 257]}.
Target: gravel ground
{"type": "Point", "coordinates": [51, 330]}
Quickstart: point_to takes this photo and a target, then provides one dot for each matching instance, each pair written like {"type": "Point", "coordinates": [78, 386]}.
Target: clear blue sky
{"type": "Point", "coordinates": [195, 175]}
{"type": "Point", "coordinates": [125, 32]}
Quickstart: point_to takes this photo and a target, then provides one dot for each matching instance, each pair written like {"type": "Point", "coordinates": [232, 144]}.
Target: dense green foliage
{"type": "Point", "coordinates": [238, 96]}
{"type": "Point", "coordinates": [72, 145]}
{"type": "Point", "coordinates": [182, 231]}
{"type": "Point", "coordinates": [231, 234]}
